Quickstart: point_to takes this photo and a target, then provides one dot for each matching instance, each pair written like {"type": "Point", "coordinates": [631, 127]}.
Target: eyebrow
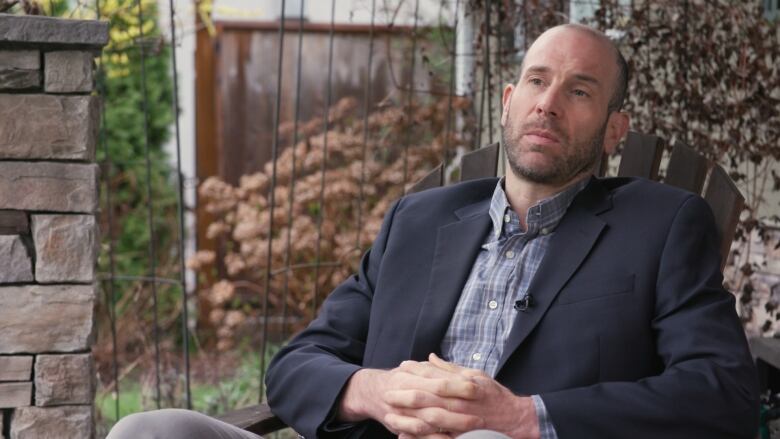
{"type": "Point", "coordinates": [587, 78]}
{"type": "Point", "coordinates": [578, 76]}
{"type": "Point", "coordinates": [537, 69]}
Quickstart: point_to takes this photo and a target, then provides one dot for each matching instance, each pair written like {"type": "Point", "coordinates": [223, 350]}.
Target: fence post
{"type": "Point", "coordinates": [48, 231]}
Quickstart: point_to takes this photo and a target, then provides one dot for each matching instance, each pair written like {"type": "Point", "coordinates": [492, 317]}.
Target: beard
{"type": "Point", "coordinates": [576, 157]}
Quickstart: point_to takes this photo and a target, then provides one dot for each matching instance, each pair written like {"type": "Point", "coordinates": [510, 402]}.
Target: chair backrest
{"type": "Point", "coordinates": [641, 157]}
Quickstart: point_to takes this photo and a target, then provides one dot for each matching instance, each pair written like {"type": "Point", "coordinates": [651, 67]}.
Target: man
{"type": "Point", "coordinates": [545, 304]}
{"type": "Point", "coordinates": [565, 306]}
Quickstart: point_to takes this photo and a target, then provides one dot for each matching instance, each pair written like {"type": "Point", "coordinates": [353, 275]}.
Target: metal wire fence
{"type": "Point", "coordinates": [161, 331]}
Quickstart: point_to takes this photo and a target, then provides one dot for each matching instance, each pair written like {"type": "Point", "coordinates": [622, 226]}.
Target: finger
{"type": "Point", "coordinates": [447, 421]}
{"type": "Point", "coordinates": [452, 367]}
{"type": "Point", "coordinates": [409, 425]}
{"type": "Point", "coordinates": [448, 386]}
{"type": "Point", "coordinates": [413, 399]}
{"type": "Point", "coordinates": [444, 365]}
{"type": "Point", "coordinates": [428, 370]}
{"type": "Point", "coordinates": [453, 388]}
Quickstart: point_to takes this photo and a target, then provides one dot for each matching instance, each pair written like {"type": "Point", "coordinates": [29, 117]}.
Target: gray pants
{"type": "Point", "coordinates": [179, 423]}
{"type": "Point", "coordinates": [175, 423]}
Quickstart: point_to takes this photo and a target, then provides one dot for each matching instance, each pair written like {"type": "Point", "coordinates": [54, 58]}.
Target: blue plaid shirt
{"type": "Point", "coordinates": [500, 276]}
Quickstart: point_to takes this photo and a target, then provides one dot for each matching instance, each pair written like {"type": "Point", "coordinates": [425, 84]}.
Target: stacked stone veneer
{"type": "Point", "coordinates": [48, 234]}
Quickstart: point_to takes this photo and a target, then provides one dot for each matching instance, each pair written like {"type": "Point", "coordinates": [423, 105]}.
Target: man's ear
{"type": "Point", "coordinates": [617, 127]}
{"type": "Point", "coordinates": [506, 98]}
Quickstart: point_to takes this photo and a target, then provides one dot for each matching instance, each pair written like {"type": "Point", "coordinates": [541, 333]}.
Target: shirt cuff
{"type": "Point", "coordinates": [546, 427]}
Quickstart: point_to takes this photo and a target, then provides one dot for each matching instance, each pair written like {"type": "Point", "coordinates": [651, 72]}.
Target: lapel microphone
{"type": "Point", "coordinates": [523, 304]}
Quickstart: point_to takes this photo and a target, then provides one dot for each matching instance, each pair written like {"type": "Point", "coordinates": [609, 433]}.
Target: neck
{"type": "Point", "coordinates": [523, 194]}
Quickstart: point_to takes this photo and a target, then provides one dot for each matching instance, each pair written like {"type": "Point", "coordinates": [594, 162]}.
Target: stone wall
{"type": "Point", "coordinates": [48, 233]}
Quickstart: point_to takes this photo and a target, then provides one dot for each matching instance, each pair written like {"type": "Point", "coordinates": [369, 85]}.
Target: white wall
{"type": "Point", "coordinates": [347, 11]}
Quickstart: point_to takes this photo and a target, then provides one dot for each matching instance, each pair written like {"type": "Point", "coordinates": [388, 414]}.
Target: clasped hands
{"type": "Point", "coordinates": [436, 399]}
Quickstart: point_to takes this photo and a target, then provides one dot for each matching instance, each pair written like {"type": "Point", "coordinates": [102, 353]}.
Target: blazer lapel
{"type": "Point", "coordinates": [573, 239]}
{"type": "Point", "coordinates": [457, 246]}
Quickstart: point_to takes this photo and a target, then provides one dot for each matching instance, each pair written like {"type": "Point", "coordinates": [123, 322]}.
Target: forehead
{"type": "Point", "coordinates": [573, 52]}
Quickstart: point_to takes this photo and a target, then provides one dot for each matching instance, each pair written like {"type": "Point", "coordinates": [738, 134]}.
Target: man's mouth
{"type": "Point", "coordinates": [542, 137]}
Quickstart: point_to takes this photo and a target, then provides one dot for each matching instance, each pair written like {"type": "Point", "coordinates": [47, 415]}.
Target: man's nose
{"type": "Point", "coordinates": [548, 103]}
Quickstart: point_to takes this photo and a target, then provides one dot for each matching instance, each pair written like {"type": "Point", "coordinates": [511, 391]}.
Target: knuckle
{"type": "Point", "coordinates": [398, 380]}
{"type": "Point", "coordinates": [418, 428]}
{"type": "Point", "coordinates": [408, 365]}
{"type": "Point", "coordinates": [417, 399]}
{"type": "Point", "coordinates": [435, 416]}
{"type": "Point", "coordinates": [392, 397]}
{"type": "Point", "coordinates": [425, 416]}
{"type": "Point", "coordinates": [389, 420]}
{"type": "Point", "coordinates": [472, 373]}
{"type": "Point", "coordinates": [456, 406]}
{"type": "Point", "coordinates": [441, 387]}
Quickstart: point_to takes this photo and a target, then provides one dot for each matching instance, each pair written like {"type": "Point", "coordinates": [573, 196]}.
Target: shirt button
{"type": "Point", "coordinates": [506, 218]}
{"type": "Point", "coordinates": [476, 356]}
{"type": "Point", "coordinates": [492, 304]}
{"type": "Point", "coordinates": [509, 254]}
{"type": "Point", "coordinates": [544, 231]}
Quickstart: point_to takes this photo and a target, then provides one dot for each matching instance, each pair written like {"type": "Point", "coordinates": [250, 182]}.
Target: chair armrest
{"type": "Point", "coordinates": [257, 419]}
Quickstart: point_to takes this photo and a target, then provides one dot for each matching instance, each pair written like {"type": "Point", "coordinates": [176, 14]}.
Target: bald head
{"type": "Point", "coordinates": [621, 77]}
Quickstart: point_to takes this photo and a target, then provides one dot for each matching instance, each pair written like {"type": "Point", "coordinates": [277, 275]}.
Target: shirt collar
{"type": "Point", "coordinates": [542, 217]}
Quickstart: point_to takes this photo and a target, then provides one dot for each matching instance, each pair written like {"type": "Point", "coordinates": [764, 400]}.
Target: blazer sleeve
{"type": "Point", "coordinates": [306, 377]}
{"type": "Point", "coordinates": [709, 384]}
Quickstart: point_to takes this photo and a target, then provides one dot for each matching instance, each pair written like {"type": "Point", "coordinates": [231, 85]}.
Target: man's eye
{"type": "Point", "coordinates": [535, 81]}
{"type": "Point", "coordinates": [580, 93]}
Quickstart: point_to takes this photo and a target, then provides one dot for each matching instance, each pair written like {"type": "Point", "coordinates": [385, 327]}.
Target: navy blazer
{"type": "Point", "coordinates": [631, 333]}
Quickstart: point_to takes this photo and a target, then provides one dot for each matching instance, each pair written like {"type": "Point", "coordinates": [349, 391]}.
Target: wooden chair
{"type": "Point", "coordinates": [641, 157]}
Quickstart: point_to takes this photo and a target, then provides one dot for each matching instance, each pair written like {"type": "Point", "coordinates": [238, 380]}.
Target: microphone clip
{"type": "Point", "coordinates": [523, 304]}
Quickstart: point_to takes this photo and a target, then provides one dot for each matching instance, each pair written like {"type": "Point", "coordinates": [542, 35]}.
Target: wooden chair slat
{"type": "Point", "coordinates": [687, 169]}
{"type": "Point", "coordinates": [481, 163]}
{"type": "Point", "coordinates": [641, 156]}
{"type": "Point", "coordinates": [433, 179]}
{"type": "Point", "coordinates": [726, 203]}
{"type": "Point", "coordinates": [257, 419]}
{"type": "Point", "coordinates": [766, 348]}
